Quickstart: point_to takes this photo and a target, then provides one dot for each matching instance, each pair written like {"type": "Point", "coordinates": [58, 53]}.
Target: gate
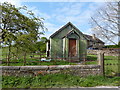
{"type": "Point", "coordinates": [111, 66]}
{"type": "Point", "coordinates": [109, 62]}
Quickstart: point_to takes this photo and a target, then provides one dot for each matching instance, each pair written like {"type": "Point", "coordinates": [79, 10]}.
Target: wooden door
{"type": "Point", "coordinates": [72, 47]}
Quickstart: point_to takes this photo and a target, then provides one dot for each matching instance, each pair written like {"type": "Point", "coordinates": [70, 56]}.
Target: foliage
{"type": "Point", "coordinates": [34, 62]}
{"type": "Point", "coordinates": [112, 46]}
{"type": "Point", "coordinates": [26, 42]}
{"type": "Point", "coordinates": [21, 30]}
{"type": "Point", "coordinates": [41, 45]}
{"type": "Point", "coordinates": [57, 80]}
{"type": "Point", "coordinates": [14, 23]}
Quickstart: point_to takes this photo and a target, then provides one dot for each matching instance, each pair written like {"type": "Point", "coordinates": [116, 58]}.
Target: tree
{"type": "Point", "coordinates": [18, 28]}
{"type": "Point", "coordinates": [26, 42]}
{"type": "Point", "coordinates": [41, 45]}
{"type": "Point", "coordinates": [106, 22]}
{"type": "Point", "coordinates": [10, 24]}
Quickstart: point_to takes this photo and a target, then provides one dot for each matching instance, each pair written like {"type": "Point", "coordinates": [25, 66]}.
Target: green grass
{"type": "Point", "coordinates": [57, 80]}
{"type": "Point", "coordinates": [110, 69]}
{"type": "Point", "coordinates": [111, 63]}
{"type": "Point", "coordinates": [32, 62]}
{"type": "Point", "coordinates": [4, 53]}
{"type": "Point", "coordinates": [92, 59]}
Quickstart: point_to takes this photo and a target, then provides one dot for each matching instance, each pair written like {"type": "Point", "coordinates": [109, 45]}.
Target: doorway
{"type": "Point", "coordinates": [72, 47]}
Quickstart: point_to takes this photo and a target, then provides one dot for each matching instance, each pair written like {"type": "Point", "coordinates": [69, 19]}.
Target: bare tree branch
{"type": "Point", "coordinates": [106, 21]}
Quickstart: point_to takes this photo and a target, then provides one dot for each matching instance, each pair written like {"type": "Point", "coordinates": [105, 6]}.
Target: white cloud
{"type": "Point", "coordinates": [72, 12]}
{"type": "Point", "coordinates": [51, 29]}
{"type": "Point", "coordinates": [75, 13]}
{"type": "Point", "coordinates": [88, 32]}
{"type": "Point", "coordinates": [17, 3]}
{"type": "Point", "coordinates": [38, 12]}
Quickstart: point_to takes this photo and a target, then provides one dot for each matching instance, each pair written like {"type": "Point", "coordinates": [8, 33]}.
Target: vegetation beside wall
{"type": "Point", "coordinates": [37, 62]}
{"type": "Point", "coordinates": [111, 63]}
{"type": "Point", "coordinates": [57, 80]}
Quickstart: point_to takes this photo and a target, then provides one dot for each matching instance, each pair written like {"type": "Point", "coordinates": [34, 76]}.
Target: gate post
{"type": "Point", "coordinates": [101, 62]}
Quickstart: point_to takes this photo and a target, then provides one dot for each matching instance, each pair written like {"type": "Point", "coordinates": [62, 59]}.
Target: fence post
{"type": "Point", "coordinates": [7, 60]}
{"type": "Point", "coordinates": [40, 55]}
{"type": "Point", "coordinates": [101, 62]}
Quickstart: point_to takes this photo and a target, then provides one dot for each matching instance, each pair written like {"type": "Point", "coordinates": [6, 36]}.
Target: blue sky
{"type": "Point", "coordinates": [57, 14]}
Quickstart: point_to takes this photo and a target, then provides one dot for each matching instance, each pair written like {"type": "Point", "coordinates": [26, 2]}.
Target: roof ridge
{"type": "Point", "coordinates": [59, 30]}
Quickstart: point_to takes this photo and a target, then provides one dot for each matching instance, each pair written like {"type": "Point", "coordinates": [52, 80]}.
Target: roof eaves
{"type": "Point", "coordinates": [59, 30]}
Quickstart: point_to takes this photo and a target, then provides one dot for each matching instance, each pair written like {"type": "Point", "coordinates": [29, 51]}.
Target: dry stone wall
{"type": "Point", "coordinates": [106, 52]}
{"type": "Point", "coordinates": [80, 70]}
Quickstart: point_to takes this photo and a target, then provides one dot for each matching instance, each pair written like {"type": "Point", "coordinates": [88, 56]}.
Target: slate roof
{"type": "Point", "coordinates": [90, 38]}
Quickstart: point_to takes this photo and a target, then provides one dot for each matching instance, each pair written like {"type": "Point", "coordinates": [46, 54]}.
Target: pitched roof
{"type": "Point", "coordinates": [69, 23]}
{"type": "Point", "coordinates": [71, 31]}
{"type": "Point", "coordinates": [90, 38]}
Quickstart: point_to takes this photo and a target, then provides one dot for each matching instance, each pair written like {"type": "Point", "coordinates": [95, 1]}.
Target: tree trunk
{"type": "Point", "coordinates": [17, 53]}
{"type": "Point", "coordinates": [9, 52]}
{"type": "Point", "coordinates": [25, 58]}
{"type": "Point", "coordinates": [40, 54]}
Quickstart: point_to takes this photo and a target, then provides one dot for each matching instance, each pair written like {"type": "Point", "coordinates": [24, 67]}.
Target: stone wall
{"type": "Point", "coordinates": [106, 52]}
{"type": "Point", "coordinates": [81, 70]}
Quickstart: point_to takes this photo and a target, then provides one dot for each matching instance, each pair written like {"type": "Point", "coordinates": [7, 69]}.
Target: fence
{"type": "Point", "coordinates": [107, 52]}
{"type": "Point", "coordinates": [111, 60]}
{"type": "Point", "coordinates": [81, 70]}
{"type": "Point", "coordinates": [32, 59]}
{"type": "Point", "coordinates": [109, 64]}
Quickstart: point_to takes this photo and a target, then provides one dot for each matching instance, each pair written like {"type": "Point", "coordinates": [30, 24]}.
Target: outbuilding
{"type": "Point", "coordinates": [67, 43]}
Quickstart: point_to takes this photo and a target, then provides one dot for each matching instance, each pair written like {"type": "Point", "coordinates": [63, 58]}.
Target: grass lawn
{"type": "Point", "coordinates": [111, 63]}
{"type": "Point", "coordinates": [57, 80]}
{"type": "Point", "coordinates": [92, 59]}
{"type": "Point", "coordinates": [32, 62]}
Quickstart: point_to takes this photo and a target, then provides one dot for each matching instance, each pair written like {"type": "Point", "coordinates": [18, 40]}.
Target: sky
{"type": "Point", "coordinates": [57, 14]}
